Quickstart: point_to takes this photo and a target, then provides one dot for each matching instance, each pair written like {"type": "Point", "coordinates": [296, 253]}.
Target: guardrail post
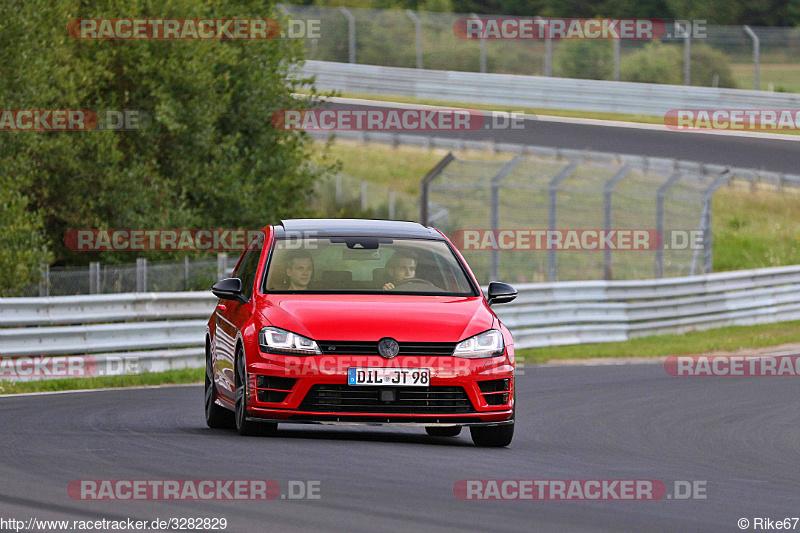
{"type": "Point", "coordinates": [660, 195]}
{"type": "Point", "coordinates": [94, 277]}
{"type": "Point", "coordinates": [608, 191]}
{"type": "Point", "coordinates": [483, 44]}
{"type": "Point", "coordinates": [425, 183]}
{"type": "Point", "coordinates": [756, 55]}
{"type": "Point", "coordinates": [351, 34]}
{"type": "Point", "coordinates": [552, 216]}
{"type": "Point", "coordinates": [391, 204]}
{"type": "Point", "coordinates": [418, 35]}
{"type": "Point", "coordinates": [141, 274]}
{"type": "Point", "coordinates": [494, 205]}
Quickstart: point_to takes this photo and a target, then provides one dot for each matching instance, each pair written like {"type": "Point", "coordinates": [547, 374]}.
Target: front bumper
{"type": "Point", "coordinates": [314, 389]}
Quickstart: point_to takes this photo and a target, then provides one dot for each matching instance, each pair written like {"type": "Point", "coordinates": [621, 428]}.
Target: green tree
{"type": "Point", "coordinates": [206, 155]}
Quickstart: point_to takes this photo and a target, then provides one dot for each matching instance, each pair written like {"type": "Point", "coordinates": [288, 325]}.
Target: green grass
{"type": "Point", "coordinates": [752, 229]}
{"type": "Point", "coordinates": [186, 375]}
{"type": "Point", "coordinates": [728, 339]}
{"type": "Point", "coordinates": [784, 77]}
{"type": "Point", "coordinates": [571, 113]}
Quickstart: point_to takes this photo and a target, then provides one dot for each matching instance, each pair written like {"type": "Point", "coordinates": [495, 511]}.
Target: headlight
{"type": "Point", "coordinates": [277, 340]}
{"type": "Point", "coordinates": [486, 344]}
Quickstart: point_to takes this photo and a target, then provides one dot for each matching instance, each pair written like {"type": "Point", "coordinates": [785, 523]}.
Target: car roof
{"type": "Point", "coordinates": [358, 227]}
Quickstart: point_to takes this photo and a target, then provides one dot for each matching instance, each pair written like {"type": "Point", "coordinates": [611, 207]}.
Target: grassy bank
{"type": "Point", "coordinates": [728, 339]}
{"type": "Point", "coordinates": [174, 377]}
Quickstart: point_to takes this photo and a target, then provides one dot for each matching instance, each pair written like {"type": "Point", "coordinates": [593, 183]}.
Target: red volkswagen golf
{"type": "Point", "coordinates": [359, 322]}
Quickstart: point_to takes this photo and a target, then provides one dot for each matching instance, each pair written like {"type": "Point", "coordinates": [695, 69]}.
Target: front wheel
{"type": "Point", "coordinates": [244, 426]}
{"type": "Point", "coordinates": [217, 417]}
{"type": "Point", "coordinates": [492, 436]}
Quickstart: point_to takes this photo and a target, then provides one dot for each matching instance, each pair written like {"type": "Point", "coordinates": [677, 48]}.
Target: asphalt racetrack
{"type": "Point", "coordinates": [776, 155]}
{"type": "Point", "coordinates": [741, 436]}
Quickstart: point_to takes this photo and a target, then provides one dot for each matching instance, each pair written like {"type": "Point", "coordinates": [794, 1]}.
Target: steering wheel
{"type": "Point", "coordinates": [415, 280]}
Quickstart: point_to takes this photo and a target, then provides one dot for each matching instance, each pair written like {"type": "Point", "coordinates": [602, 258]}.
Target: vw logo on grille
{"type": "Point", "coordinates": [388, 347]}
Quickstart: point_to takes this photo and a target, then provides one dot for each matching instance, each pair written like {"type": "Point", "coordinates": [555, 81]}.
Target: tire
{"type": "Point", "coordinates": [492, 436]}
{"type": "Point", "coordinates": [495, 436]}
{"type": "Point", "coordinates": [246, 427]}
{"type": "Point", "coordinates": [217, 417]}
{"type": "Point", "coordinates": [443, 431]}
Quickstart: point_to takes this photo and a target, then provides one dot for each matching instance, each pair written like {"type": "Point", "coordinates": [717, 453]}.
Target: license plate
{"type": "Point", "coordinates": [398, 377]}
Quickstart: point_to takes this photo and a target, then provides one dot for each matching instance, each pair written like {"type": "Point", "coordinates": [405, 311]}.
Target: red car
{"type": "Point", "coordinates": [359, 322]}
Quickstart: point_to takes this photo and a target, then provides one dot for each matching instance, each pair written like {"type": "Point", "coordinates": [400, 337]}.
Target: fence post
{"type": "Point", "coordinates": [608, 191]}
{"type": "Point", "coordinates": [616, 59]}
{"type": "Point", "coordinates": [482, 42]}
{"type": "Point", "coordinates": [494, 215]}
{"type": "Point", "coordinates": [705, 224]}
{"type": "Point", "coordinates": [687, 55]}
{"type": "Point", "coordinates": [425, 183]}
{"type": "Point", "coordinates": [222, 265]}
{"type": "Point", "coordinates": [363, 195]}
{"type": "Point", "coordinates": [186, 273]}
{"type": "Point", "coordinates": [351, 33]}
{"type": "Point", "coordinates": [141, 274]}
{"type": "Point", "coordinates": [756, 55]}
{"type": "Point", "coordinates": [418, 35]}
{"type": "Point", "coordinates": [94, 277]}
{"type": "Point", "coordinates": [548, 49]}
{"type": "Point", "coordinates": [552, 217]}
{"type": "Point", "coordinates": [44, 283]}
{"type": "Point", "coordinates": [338, 191]}
{"type": "Point", "coordinates": [391, 204]}
{"type": "Point", "coordinates": [660, 195]}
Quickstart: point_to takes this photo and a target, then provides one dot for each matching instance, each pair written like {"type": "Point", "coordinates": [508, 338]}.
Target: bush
{"type": "Point", "coordinates": [586, 59]}
{"type": "Point", "coordinates": [660, 63]}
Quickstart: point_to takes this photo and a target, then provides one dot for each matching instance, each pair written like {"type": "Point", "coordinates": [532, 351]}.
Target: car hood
{"type": "Point", "coordinates": [405, 318]}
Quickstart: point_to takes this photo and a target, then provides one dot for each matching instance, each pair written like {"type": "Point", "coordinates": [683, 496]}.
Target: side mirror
{"type": "Point", "coordinates": [228, 289]}
{"type": "Point", "coordinates": [500, 293]}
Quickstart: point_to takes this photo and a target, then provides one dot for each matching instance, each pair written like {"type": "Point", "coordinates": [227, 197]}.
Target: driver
{"type": "Point", "coordinates": [401, 266]}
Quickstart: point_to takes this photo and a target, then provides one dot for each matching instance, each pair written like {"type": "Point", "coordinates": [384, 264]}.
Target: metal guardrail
{"type": "Point", "coordinates": [537, 91]}
{"type": "Point", "coordinates": [160, 331]}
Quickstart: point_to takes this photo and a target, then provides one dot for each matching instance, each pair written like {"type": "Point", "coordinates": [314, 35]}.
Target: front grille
{"type": "Point", "coordinates": [422, 400]}
{"type": "Point", "coordinates": [371, 348]}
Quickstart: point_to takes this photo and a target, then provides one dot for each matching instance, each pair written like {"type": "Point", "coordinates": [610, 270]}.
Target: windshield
{"type": "Point", "coordinates": [366, 264]}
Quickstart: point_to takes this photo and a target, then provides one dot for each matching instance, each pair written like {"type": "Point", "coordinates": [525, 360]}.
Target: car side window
{"type": "Point", "coordinates": [246, 270]}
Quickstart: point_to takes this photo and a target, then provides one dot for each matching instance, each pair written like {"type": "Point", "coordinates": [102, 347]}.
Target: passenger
{"type": "Point", "coordinates": [299, 270]}
{"type": "Point", "coordinates": [401, 266]}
